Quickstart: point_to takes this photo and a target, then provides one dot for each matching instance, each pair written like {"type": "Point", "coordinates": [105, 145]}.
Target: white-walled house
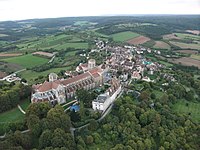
{"type": "Point", "coordinates": [103, 101]}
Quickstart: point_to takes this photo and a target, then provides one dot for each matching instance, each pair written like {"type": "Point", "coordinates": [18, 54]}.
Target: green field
{"type": "Point", "coordinates": [165, 63]}
{"type": "Point", "coordinates": [27, 61]}
{"type": "Point", "coordinates": [197, 57]}
{"type": "Point", "coordinates": [56, 42]}
{"type": "Point", "coordinates": [186, 45]}
{"type": "Point", "coordinates": [188, 36]}
{"type": "Point", "coordinates": [84, 23]}
{"type": "Point", "coordinates": [72, 45]}
{"type": "Point", "coordinates": [3, 35]}
{"type": "Point", "coordinates": [31, 75]}
{"type": "Point", "coordinates": [124, 36]}
{"type": "Point", "coordinates": [192, 108]}
{"type": "Point", "coordinates": [14, 114]}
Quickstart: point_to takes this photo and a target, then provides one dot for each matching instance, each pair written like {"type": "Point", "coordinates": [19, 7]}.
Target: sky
{"type": "Point", "coordinates": [29, 9]}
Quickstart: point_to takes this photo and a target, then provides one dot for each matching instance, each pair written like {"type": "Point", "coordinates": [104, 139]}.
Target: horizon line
{"type": "Point", "coordinates": [105, 15]}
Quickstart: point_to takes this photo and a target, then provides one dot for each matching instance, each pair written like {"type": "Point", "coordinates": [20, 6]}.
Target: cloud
{"type": "Point", "coordinates": [24, 9]}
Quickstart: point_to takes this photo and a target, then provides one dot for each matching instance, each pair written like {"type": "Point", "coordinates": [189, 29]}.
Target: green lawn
{"type": "Point", "coordinates": [124, 36]}
{"type": "Point", "coordinates": [27, 61]}
{"type": "Point", "coordinates": [14, 114]}
{"type": "Point", "coordinates": [192, 108]}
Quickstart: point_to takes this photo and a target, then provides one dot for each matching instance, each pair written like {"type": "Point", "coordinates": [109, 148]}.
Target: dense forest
{"type": "Point", "coordinates": [148, 122]}
{"type": "Point", "coordinates": [141, 127]}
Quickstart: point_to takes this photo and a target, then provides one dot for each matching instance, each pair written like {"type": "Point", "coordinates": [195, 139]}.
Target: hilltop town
{"type": "Point", "coordinates": [119, 67]}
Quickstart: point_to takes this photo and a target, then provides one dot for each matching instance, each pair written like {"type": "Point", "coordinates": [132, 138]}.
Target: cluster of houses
{"type": "Point", "coordinates": [11, 78]}
{"type": "Point", "coordinates": [129, 61]}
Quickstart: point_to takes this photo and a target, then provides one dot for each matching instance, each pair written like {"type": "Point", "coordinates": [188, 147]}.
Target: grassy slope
{"type": "Point", "coordinates": [124, 36]}
{"type": "Point", "coordinates": [58, 42]}
{"type": "Point", "coordinates": [14, 114]}
{"type": "Point", "coordinates": [72, 45]}
{"type": "Point", "coordinates": [188, 36]}
{"type": "Point", "coordinates": [192, 108]}
{"type": "Point", "coordinates": [197, 57]}
{"type": "Point", "coordinates": [28, 74]}
{"type": "Point", "coordinates": [186, 45]}
{"type": "Point", "coordinates": [27, 61]}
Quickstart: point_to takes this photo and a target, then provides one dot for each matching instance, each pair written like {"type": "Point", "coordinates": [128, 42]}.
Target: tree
{"type": "Point", "coordinates": [16, 140]}
{"type": "Point", "coordinates": [97, 138]}
{"type": "Point", "coordinates": [86, 97]}
{"type": "Point", "coordinates": [89, 139]}
{"type": "Point", "coordinates": [153, 95]}
{"type": "Point", "coordinates": [93, 125]}
{"type": "Point", "coordinates": [62, 139]}
{"type": "Point", "coordinates": [58, 119]}
{"type": "Point", "coordinates": [144, 95]}
{"type": "Point", "coordinates": [143, 119]}
{"type": "Point", "coordinates": [45, 139]}
{"type": "Point", "coordinates": [75, 116]}
{"type": "Point", "coordinates": [33, 123]}
{"type": "Point", "coordinates": [164, 99]}
{"type": "Point", "coordinates": [38, 109]}
{"type": "Point", "coordinates": [148, 144]}
{"type": "Point", "coordinates": [118, 147]}
{"type": "Point", "coordinates": [80, 142]}
{"type": "Point", "coordinates": [179, 91]}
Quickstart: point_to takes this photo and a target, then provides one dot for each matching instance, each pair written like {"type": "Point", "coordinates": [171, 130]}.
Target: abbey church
{"type": "Point", "coordinates": [58, 90]}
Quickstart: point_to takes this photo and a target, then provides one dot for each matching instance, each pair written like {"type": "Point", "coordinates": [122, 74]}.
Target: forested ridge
{"type": "Point", "coordinates": [140, 127]}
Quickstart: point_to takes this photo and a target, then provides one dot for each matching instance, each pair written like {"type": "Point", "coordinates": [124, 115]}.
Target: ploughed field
{"type": "Point", "coordinates": [10, 54]}
{"type": "Point", "coordinates": [161, 45]}
{"type": "Point", "coordinates": [138, 40]}
{"type": "Point", "coordinates": [187, 61]}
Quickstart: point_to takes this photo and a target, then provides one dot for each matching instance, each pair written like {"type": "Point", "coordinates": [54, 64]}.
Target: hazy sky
{"type": "Point", "coordinates": [26, 9]}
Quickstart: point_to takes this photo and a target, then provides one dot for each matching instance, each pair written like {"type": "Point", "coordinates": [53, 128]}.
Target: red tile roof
{"type": "Point", "coordinates": [84, 65]}
{"type": "Point", "coordinates": [76, 78]}
{"type": "Point", "coordinates": [95, 70]}
{"type": "Point", "coordinates": [46, 86]}
{"type": "Point", "coordinates": [95, 75]}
